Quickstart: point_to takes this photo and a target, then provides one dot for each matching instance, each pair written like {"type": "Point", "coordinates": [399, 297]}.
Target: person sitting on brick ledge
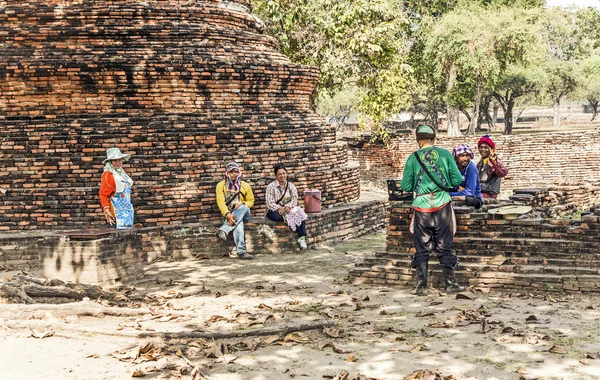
{"type": "Point", "coordinates": [430, 173]}
{"type": "Point", "coordinates": [490, 168]}
{"type": "Point", "coordinates": [282, 203]}
{"type": "Point", "coordinates": [470, 187]}
{"type": "Point", "coordinates": [115, 190]}
{"type": "Point", "coordinates": [235, 198]}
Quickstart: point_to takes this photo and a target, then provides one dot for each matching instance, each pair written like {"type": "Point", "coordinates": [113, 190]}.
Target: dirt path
{"type": "Point", "coordinates": [384, 333]}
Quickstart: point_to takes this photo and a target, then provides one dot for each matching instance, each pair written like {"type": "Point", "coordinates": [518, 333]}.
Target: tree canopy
{"type": "Point", "coordinates": [438, 56]}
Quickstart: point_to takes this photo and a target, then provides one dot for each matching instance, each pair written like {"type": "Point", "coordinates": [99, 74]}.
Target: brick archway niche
{"type": "Point", "coordinates": [185, 86]}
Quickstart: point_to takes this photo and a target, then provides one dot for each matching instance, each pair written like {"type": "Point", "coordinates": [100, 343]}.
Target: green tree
{"type": "Point", "coordinates": [591, 82]}
{"type": "Point", "coordinates": [515, 82]}
{"type": "Point", "coordinates": [478, 45]}
{"type": "Point", "coordinates": [565, 46]}
{"type": "Point", "coordinates": [359, 42]}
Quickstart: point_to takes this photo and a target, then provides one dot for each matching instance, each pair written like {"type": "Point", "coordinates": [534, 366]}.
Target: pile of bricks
{"type": "Point", "coordinates": [531, 253]}
{"type": "Point", "coordinates": [559, 201]}
{"type": "Point", "coordinates": [185, 86]}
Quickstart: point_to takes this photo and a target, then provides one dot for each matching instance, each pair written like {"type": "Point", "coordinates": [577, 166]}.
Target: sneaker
{"type": "Point", "coordinates": [222, 235]}
{"type": "Point", "coordinates": [233, 253]}
{"type": "Point", "coordinates": [302, 242]}
{"type": "Point", "coordinates": [245, 256]}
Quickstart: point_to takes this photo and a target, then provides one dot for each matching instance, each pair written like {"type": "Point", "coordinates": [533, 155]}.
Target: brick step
{"type": "Point", "coordinates": [505, 268]}
{"type": "Point", "coordinates": [515, 257]}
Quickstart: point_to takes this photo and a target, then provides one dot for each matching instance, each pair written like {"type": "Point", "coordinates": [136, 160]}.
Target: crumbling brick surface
{"type": "Point", "coordinates": [537, 253]}
{"type": "Point", "coordinates": [534, 160]}
{"type": "Point", "coordinates": [183, 85]}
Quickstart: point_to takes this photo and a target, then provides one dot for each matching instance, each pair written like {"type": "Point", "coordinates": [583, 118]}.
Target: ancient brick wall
{"type": "Point", "coordinates": [185, 86]}
{"type": "Point", "coordinates": [534, 160]}
{"type": "Point", "coordinates": [119, 255]}
{"type": "Point", "coordinates": [542, 254]}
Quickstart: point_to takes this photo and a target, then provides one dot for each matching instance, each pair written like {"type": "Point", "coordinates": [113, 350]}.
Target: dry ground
{"type": "Point", "coordinates": [379, 332]}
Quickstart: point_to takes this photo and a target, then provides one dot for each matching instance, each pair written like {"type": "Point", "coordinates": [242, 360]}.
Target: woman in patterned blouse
{"type": "Point", "coordinates": [282, 204]}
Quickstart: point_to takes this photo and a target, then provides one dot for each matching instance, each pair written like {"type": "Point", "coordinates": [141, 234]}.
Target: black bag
{"type": "Point", "coordinates": [395, 192]}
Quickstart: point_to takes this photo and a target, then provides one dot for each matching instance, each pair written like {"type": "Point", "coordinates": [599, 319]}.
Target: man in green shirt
{"type": "Point", "coordinates": [433, 223]}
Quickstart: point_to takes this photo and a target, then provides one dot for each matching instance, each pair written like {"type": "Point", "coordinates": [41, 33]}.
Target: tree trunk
{"type": "Point", "coordinates": [556, 111]}
{"type": "Point", "coordinates": [453, 111]}
{"type": "Point", "coordinates": [594, 110]}
{"type": "Point", "coordinates": [486, 114]}
{"type": "Point", "coordinates": [476, 104]}
{"type": "Point", "coordinates": [508, 117]}
{"type": "Point", "coordinates": [453, 121]}
{"type": "Point", "coordinates": [495, 115]}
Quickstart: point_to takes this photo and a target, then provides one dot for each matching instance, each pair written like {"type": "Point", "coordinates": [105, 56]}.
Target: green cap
{"type": "Point", "coordinates": [425, 129]}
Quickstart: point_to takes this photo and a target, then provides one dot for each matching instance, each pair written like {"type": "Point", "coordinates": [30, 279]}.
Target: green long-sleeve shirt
{"type": "Point", "coordinates": [429, 196]}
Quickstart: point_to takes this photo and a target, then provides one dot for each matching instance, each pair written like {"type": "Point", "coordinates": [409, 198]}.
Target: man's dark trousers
{"type": "Point", "coordinates": [434, 231]}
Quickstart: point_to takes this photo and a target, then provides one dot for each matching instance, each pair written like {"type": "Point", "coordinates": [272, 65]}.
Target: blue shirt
{"type": "Point", "coordinates": [470, 182]}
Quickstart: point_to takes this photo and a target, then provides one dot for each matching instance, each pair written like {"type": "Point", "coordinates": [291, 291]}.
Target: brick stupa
{"type": "Point", "coordinates": [183, 85]}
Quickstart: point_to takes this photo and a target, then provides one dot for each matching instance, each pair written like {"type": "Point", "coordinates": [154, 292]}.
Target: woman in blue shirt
{"type": "Point", "coordinates": [470, 187]}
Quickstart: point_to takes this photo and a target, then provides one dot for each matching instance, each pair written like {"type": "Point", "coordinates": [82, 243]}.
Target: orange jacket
{"type": "Point", "coordinates": [108, 188]}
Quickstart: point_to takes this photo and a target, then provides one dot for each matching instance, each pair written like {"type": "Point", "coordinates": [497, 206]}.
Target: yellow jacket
{"type": "Point", "coordinates": [246, 196]}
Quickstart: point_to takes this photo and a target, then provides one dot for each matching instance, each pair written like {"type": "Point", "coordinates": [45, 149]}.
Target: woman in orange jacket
{"type": "Point", "coordinates": [115, 190]}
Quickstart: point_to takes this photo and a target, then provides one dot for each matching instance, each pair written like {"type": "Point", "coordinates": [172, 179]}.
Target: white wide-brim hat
{"type": "Point", "coordinates": [115, 154]}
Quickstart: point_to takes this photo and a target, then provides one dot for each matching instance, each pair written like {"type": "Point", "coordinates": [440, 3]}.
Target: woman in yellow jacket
{"type": "Point", "coordinates": [235, 198]}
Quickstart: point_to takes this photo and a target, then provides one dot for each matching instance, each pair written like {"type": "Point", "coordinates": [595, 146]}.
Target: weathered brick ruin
{"type": "Point", "coordinates": [540, 250]}
{"type": "Point", "coordinates": [535, 160]}
{"type": "Point", "coordinates": [184, 85]}
{"type": "Point", "coordinates": [528, 252]}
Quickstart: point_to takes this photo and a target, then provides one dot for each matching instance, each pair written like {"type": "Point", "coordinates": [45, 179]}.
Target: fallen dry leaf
{"type": "Point", "coordinates": [418, 347]}
{"type": "Point", "coordinates": [462, 296]}
{"type": "Point", "coordinates": [296, 337]}
{"type": "Point", "coordinates": [333, 333]}
{"type": "Point", "coordinates": [424, 374]}
{"type": "Point", "coordinates": [351, 358]}
{"type": "Point", "coordinates": [526, 375]}
{"type": "Point", "coordinates": [216, 350]}
{"type": "Point", "coordinates": [534, 320]}
{"type": "Point", "coordinates": [138, 373]}
{"type": "Point", "coordinates": [593, 356]}
{"type": "Point", "coordinates": [425, 314]}
{"type": "Point", "coordinates": [329, 343]}
{"type": "Point", "coordinates": [42, 335]}
{"type": "Point", "coordinates": [226, 359]}
{"type": "Point", "coordinates": [264, 306]}
{"type": "Point", "coordinates": [93, 356]}
{"type": "Point", "coordinates": [426, 334]}
{"type": "Point", "coordinates": [271, 339]}
{"type": "Point", "coordinates": [215, 318]}
{"type": "Point", "coordinates": [557, 350]}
